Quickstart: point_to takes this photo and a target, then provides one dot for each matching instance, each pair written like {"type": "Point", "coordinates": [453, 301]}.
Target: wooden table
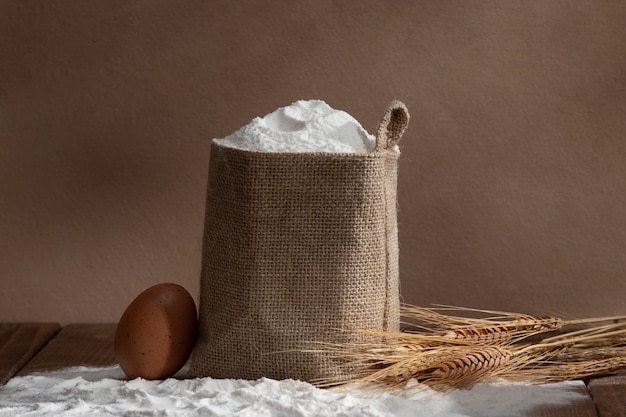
{"type": "Point", "coordinates": [34, 347]}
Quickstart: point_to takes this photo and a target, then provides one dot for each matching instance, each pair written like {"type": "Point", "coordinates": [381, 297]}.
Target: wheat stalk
{"type": "Point", "coordinates": [498, 328]}
{"type": "Point", "coordinates": [454, 350]}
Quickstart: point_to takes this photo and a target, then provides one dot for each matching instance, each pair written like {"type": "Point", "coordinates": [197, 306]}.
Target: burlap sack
{"type": "Point", "coordinates": [296, 247]}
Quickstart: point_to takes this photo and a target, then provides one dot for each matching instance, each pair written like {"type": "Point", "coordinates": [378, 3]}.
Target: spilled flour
{"type": "Point", "coordinates": [103, 392]}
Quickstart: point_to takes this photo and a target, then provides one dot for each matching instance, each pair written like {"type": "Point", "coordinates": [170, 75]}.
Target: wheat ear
{"type": "Point", "coordinates": [446, 350]}
{"type": "Point", "coordinates": [468, 367]}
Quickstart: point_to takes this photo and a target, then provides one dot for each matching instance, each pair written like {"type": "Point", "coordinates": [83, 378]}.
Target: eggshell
{"type": "Point", "coordinates": [157, 332]}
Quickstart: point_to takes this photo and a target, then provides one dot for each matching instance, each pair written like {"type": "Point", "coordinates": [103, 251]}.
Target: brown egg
{"type": "Point", "coordinates": [157, 332]}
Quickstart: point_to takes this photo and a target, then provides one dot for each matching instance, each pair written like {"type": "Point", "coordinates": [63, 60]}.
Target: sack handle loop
{"type": "Point", "coordinates": [392, 126]}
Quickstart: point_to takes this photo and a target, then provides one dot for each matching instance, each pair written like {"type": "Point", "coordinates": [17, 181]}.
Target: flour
{"type": "Point", "coordinates": [103, 392]}
{"type": "Point", "coordinates": [304, 126]}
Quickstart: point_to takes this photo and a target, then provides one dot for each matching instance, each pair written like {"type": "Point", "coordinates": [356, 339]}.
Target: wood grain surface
{"type": "Point", "coordinates": [609, 395]}
{"type": "Point", "coordinates": [75, 345]}
{"type": "Point", "coordinates": [19, 343]}
{"type": "Point", "coordinates": [28, 348]}
{"type": "Point", "coordinates": [584, 407]}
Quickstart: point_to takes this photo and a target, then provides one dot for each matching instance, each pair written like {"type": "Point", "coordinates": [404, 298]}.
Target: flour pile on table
{"type": "Point", "coordinates": [304, 126]}
{"type": "Point", "coordinates": [100, 392]}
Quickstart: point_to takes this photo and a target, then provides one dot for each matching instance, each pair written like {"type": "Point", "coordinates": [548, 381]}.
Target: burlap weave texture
{"type": "Point", "coordinates": [296, 247]}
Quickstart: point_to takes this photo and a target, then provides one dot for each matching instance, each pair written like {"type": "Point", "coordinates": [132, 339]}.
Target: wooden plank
{"type": "Point", "coordinates": [76, 345]}
{"type": "Point", "coordinates": [609, 395]}
{"type": "Point", "coordinates": [583, 407]}
{"type": "Point", "coordinates": [19, 343]}
{"type": "Point", "coordinates": [92, 345]}
{"type": "Point", "coordinates": [527, 400]}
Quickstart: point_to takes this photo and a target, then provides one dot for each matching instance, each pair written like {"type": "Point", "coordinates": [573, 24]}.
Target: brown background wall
{"type": "Point", "coordinates": [512, 179]}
